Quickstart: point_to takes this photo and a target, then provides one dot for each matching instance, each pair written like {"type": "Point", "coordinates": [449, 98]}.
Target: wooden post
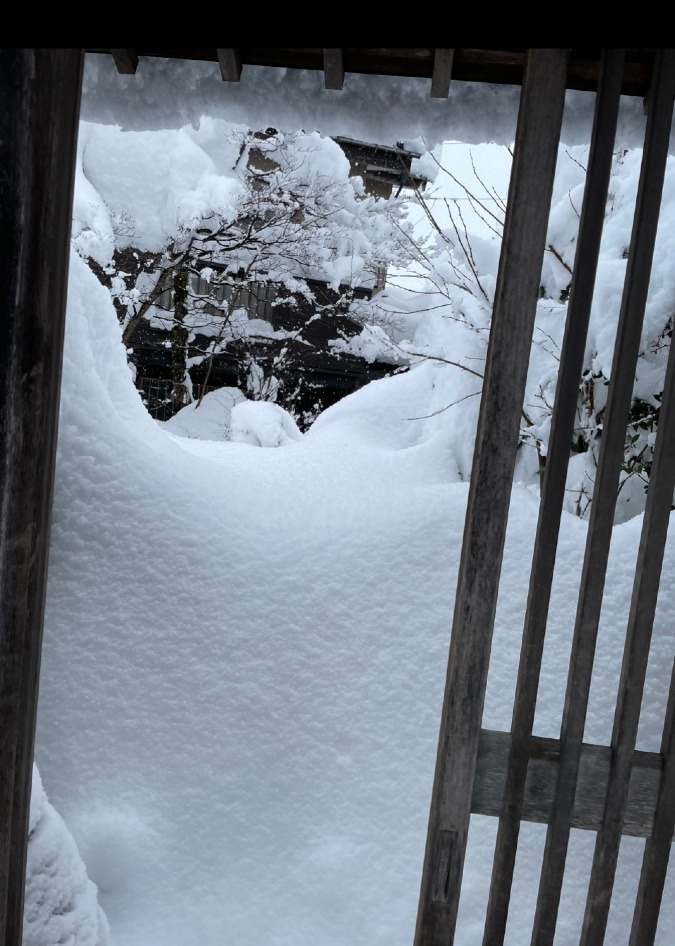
{"type": "Point", "coordinates": [126, 61]}
{"type": "Point", "coordinates": [639, 633]}
{"type": "Point", "coordinates": [553, 488]}
{"type": "Point", "coordinates": [230, 64]}
{"type": "Point", "coordinates": [600, 526]}
{"type": "Point", "coordinates": [39, 107]}
{"type": "Point", "coordinates": [442, 71]}
{"type": "Point", "coordinates": [528, 206]}
{"type": "Point", "coordinates": [334, 69]}
{"type": "Point", "coordinates": [657, 848]}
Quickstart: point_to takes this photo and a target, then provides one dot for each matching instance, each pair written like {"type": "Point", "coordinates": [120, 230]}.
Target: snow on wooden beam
{"type": "Point", "coordinates": [440, 77]}
{"type": "Point", "coordinates": [126, 61]}
{"type": "Point", "coordinates": [333, 69]}
{"type": "Point", "coordinates": [39, 107]}
{"type": "Point", "coordinates": [230, 64]}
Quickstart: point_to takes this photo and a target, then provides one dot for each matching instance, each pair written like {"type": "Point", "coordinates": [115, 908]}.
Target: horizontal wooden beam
{"type": "Point", "coordinates": [542, 774]}
{"type": "Point", "coordinates": [496, 66]}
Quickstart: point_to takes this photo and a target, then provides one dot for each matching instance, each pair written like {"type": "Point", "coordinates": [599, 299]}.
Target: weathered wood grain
{"type": "Point", "coordinates": [39, 107]}
{"type": "Point", "coordinates": [333, 68]}
{"type": "Point", "coordinates": [604, 499]}
{"type": "Point", "coordinates": [543, 761]}
{"type": "Point", "coordinates": [229, 61]}
{"type": "Point", "coordinates": [516, 294]}
{"type": "Point", "coordinates": [440, 77]}
{"type": "Point", "coordinates": [553, 488]}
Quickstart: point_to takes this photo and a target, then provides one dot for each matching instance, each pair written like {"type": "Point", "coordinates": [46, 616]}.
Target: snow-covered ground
{"type": "Point", "coordinates": [246, 641]}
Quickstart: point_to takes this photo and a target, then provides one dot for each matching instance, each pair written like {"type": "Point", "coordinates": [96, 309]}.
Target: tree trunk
{"type": "Point", "coordinates": [179, 336]}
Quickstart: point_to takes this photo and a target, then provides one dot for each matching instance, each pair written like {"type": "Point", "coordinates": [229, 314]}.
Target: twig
{"type": "Point", "coordinates": [443, 409]}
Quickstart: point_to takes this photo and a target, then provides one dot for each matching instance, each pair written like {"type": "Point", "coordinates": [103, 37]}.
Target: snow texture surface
{"type": "Point", "coordinates": [61, 906]}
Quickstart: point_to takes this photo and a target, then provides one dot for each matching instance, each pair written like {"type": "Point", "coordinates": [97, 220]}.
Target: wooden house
{"type": "Point", "coordinates": [312, 376]}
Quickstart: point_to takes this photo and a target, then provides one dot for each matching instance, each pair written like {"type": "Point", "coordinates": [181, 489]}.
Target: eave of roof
{"type": "Point", "coordinates": [496, 66]}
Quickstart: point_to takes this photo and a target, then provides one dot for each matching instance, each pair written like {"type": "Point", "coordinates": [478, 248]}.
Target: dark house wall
{"type": "Point", "coordinates": [310, 376]}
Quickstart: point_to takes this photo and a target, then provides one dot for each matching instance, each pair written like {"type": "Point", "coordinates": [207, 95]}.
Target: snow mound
{"type": "Point", "coordinates": [61, 904]}
{"type": "Point", "coordinates": [263, 424]}
{"type": "Point", "coordinates": [209, 420]}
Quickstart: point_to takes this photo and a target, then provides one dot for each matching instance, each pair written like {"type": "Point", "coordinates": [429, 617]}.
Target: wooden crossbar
{"type": "Point", "coordinates": [542, 759]}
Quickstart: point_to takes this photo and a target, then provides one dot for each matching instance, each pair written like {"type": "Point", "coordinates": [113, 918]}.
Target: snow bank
{"type": "Point", "coordinates": [61, 906]}
{"type": "Point", "coordinates": [244, 661]}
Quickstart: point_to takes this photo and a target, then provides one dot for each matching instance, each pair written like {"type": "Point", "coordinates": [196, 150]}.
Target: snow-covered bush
{"type": "Point", "coordinates": [451, 328]}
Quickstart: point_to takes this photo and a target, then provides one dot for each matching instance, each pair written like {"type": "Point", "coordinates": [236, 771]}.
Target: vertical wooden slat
{"type": "Point", "coordinates": [333, 69]}
{"type": "Point", "coordinates": [126, 61]}
{"type": "Point", "coordinates": [641, 614]}
{"type": "Point", "coordinates": [657, 849]}
{"type": "Point", "coordinates": [553, 487]}
{"type": "Point", "coordinates": [537, 137]}
{"type": "Point", "coordinates": [440, 77]}
{"type": "Point", "coordinates": [39, 105]}
{"type": "Point", "coordinates": [229, 61]}
{"type": "Point", "coordinates": [604, 501]}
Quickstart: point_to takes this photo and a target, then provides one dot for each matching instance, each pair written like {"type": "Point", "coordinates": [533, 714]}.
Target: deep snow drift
{"type": "Point", "coordinates": [244, 661]}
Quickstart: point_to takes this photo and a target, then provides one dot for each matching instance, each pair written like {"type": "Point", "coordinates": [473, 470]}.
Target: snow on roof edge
{"type": "Point", "coordinates": [174, 93]}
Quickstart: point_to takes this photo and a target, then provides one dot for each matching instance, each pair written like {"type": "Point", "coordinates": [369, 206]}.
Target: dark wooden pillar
{"type": "Point", "coordinates": [39, 107]}
{"type": "Point", "coordinates": [516, 294]}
